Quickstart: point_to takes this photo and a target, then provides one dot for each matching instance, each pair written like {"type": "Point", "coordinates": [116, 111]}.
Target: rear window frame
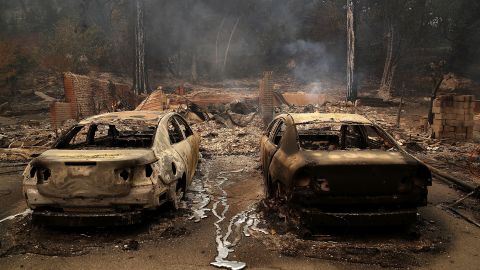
{"type": "Point", "coordinates": [382, 133]}
{"type": "Point", "coordinates": [63, 141]}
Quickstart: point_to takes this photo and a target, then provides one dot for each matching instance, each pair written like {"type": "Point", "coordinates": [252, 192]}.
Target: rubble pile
{"type": "Point", "coordinates": [20, 139]}
{"type": "Point", "coordinates": [218, 139]}
{"type": "Point", "coordinates": [27, 102]}
{"type": "Point", "coordinates": [455, 156]}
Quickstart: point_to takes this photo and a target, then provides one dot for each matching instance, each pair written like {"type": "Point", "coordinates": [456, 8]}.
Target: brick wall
{"type": "Point", "coordinates": [453, 117]}
{"type": "Point", "coordinates": [266, 97]}
{"type": "Point", "coordinates": [85, 96]}
{"type": "Point", "coordinates": [60, 112]}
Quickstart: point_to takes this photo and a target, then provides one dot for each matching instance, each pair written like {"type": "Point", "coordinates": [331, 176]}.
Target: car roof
{"type": "Point", "coordinates": [304, 118]}
{"type": "Point", "coordinates": [151, 117]}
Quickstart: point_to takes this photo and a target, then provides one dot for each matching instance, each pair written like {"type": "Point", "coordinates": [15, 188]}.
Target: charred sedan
{"type": "Point", "coordinates": [341, 169]}
{"type": "Point", "coordinates": [110, 167]}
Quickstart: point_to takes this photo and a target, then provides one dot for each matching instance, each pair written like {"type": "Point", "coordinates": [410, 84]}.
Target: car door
{"type": "Point", "coordinates": [178, 142]}
{"type": "Point", "coordinates": [189, 147]}
{"type": "Point", "coordinates": [271, 145]}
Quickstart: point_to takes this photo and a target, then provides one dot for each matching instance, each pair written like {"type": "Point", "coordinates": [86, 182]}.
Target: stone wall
{"type": "Point", "coordinates": [453, 117]}
{"type": "Point", "coordinates": [476, 128]}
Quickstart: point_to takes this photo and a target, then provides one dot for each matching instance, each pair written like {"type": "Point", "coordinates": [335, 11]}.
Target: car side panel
{"type": "Point", "coordinates": [194, 142]}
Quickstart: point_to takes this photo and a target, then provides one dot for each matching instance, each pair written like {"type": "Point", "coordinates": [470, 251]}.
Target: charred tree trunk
{"type": "Point", "coordinates": [352, 82]}
{"type": "Point", "coordinates": [400, 106]}
{"type": "Point", "coordinates": [194, 67]}
{"type": "Point", "coordinates": [228, 45]}
{"type": "Point", "coordinates": [436, 85]}
{"type": "Point", "coordinates": [140, 78]}
{"type": "Point", "coordinates": [389, 68]}
{"type": "Point", "coordinates": [438, 75]}
{"type": "Point", "coordinates": [217, 61]}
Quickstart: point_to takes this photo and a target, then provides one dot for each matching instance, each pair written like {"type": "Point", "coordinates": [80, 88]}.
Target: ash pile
{"type": "Point", "coordinates": [232, 129]}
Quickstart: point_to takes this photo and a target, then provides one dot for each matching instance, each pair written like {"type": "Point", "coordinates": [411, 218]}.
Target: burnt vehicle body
{"type": "Point", "coordinates": [342, 169]}
{"type": "Point", "coordinates": [108, 168]}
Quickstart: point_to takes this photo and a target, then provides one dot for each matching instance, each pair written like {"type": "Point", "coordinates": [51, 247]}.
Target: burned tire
{"type": "Point", "coordinates": [268, 187]}
{"type": "Point", "coordinates": [177, 193]}
{"type": "Point", "coordinates": [281, 194]}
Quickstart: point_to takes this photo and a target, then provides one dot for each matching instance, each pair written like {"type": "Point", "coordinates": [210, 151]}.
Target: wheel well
{"type": "Point", "coordinates": [182, 183]}
{"type": "Point", "coordinates": [271, 182]}
{"type": "Point", "coordinates": [270, 186]}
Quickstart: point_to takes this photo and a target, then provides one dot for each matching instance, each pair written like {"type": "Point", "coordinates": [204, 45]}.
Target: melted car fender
{"type": "Point", "coordinates": [171, 165]}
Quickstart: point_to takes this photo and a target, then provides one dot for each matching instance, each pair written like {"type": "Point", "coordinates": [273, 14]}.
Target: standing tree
{"type": "Point", "coordinates": [460, 25]}
{"type": "Point", "coordinates": [228, 45]}
{"type": "Point", "coordinates": [352, 83]}
{"type": "Point", "coordinates": [405, 22]}
{"type": "Point", "coordinates": [392, 44]}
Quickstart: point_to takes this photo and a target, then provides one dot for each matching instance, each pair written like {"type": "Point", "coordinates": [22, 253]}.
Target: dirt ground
{"type": "Point", "coordinates": [227, 192]}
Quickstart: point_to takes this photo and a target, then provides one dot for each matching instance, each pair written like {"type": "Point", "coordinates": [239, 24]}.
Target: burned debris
{"type": "Point", "coordinates": [233, 134]}
{"type": "Point", "coordinates": [231, 126]}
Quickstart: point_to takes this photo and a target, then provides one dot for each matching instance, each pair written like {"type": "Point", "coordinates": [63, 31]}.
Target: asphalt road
{"type": "Point", "coordinates": [173, 240]}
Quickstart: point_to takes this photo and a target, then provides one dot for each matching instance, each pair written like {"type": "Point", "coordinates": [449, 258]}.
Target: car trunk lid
{"type": "Point", "coordinates": [88, 173]}
{"type": "Point", "coordinates": [361, 173]}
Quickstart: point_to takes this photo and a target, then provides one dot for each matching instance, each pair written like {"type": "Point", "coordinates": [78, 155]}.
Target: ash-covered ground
{"type": "Point", "coordinates": [226, 222]}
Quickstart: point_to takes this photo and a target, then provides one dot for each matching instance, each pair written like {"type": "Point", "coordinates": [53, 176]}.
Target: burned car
{"type": "Point", "coordinates": [110, 167]}
{"type": "Point", "coordinates": [341, 169]}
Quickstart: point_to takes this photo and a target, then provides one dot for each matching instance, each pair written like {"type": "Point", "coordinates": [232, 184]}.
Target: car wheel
{"type": "Point", "coordinates": [268, 187]}
{"type": "Point", "coordinates": [176, 194]}
{"type": "Point", "coordinates": [281, 193]}
{"type": "Point", "coordinates": [178, 197]}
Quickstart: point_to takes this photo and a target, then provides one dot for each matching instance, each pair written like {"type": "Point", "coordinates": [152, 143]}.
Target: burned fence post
{"type": "Point", "coordinates": [352, 83]}
{"type": "Point", "coordinates": [266, 97]}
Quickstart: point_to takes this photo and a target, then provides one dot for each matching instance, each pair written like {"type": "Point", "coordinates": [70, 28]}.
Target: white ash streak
{"type": "Point", "coordinates": [22, 214]}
